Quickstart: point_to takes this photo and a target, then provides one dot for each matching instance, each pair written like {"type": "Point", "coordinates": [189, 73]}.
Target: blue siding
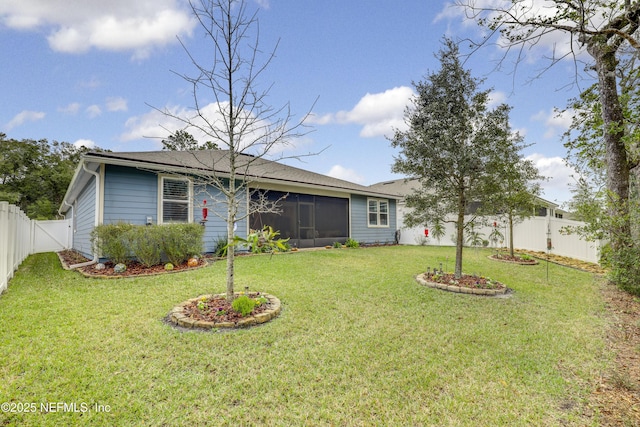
{"type": "Point", "coordinates": [216, 226]}
{"type": "Point", "coordinates": [130, 195]}
{"type": "Point", "coordinates": [360, 229]}
{"type": "Point", "coordinates": [84, 211]}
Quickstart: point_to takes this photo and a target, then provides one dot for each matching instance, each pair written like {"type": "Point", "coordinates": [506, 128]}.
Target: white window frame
{"type": "Point", "coordinates": [161, 199]}
{"type": "Point", "coordinates": [378, 212]}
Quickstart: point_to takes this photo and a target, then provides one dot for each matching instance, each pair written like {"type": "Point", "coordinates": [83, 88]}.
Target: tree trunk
{"type": "Point", "coordinates": [511, 251]}
{"type": "Point", "coordinates": [231, 219]}
{"type": "Point", "coordinates": [616, 154]}
{"type": "Point", "coordinates": [459, 237]}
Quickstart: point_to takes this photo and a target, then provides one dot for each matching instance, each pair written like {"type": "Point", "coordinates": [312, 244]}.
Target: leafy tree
{"type": "Point", "coordinates": [513, 193]}
{"type": "Point", "coordinates": [587, 154]}
{"type": "Point", "coordinates": [604, 28]}
{"type": "Point", "coordinates": [454, 146]}
{"type": "Point", "coordinates": [182, 140]}
{"type": "Point", "coordinates": [34, 175]}
{"type": "Point", "coordinates": [241, 121]}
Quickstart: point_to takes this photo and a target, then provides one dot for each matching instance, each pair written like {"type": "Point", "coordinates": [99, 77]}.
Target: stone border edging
{"type": "Point", "coordinates": [460, 289]}
{"type": "Point", "coordinates": [178, 318]}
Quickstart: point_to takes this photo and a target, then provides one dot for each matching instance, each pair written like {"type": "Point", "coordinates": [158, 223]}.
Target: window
{"type": "Point", "coordinates": [175, 200]}
{"type": "Point", "coordinates": [378, 213]}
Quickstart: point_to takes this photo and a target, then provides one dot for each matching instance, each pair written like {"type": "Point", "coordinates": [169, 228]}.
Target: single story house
{"type": "Point", "coordinates": [547, 221]}
{"type": "Point", "coordinates": [157, 187]}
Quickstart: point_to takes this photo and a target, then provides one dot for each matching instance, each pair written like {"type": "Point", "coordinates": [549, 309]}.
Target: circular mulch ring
{"type": "Point", "coordinates": [218, 314]}
{"type": "Point", "coordinates": [514, 260]}
{"type": "Point", "coordinates": [465, 285]}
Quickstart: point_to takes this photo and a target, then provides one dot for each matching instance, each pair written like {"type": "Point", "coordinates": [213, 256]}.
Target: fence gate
{"type": "Point", "coordinates": [51, 236]}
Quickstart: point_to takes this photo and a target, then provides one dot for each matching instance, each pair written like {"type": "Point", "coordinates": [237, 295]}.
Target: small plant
{"type": "Point", "coordinates": [350, 243]}
{"type": "Point", "coordinates": [525, 257]}
{"type": "Point", "coordinates": [221, 247]}
{"type": "Point", "coordinates": [263, 241]}
{"type": "Point", "coordinates": [337, 245]}
{"type": "Point", "coordinates": [243, 305]}
{"type": "Point", "coordinates": [202, 304]}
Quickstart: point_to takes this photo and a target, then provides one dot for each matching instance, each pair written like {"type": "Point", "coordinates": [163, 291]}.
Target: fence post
{"type": "Point", "coordinates": [4, 246]}
{"type": "Point", "coordinates": [15, 241]}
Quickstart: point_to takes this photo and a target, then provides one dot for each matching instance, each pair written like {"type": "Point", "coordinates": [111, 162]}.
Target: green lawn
{"type": "Point", "coordinates": [358, 342]}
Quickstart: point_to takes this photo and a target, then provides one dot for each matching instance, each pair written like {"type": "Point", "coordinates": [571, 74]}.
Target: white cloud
{"type": "Point", "coordinates": [23, 117]}
{"type": "Point", "coordinates": [556, 123]}
{"type": "Point", "coordinates": [378, 113]}
{"type": "Point", "coordinates": [85, 143]}
{"type": "Point", "coordinates": [115, 25]}
{"type": "Point", "coordinates": [561, 177]}
{"type": "Point", "coordinates": [550, 43]}
{"type": "Point", "coordinates": [116, 104]}
{"type": "Point", "coordinates": [158, 125]}
{"type": "Point", "coordinates": [350, 175]}
{"type": "Point", "coordinates": [496, 98]}
{"type": "Point", "coordinates": [71, 109]}
{"type": "Point", "coordinates": [93, 111]}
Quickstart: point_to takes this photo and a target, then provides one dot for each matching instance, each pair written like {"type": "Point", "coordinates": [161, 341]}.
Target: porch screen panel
{"type": "Point", "coordinates": [332, 217]}
{"type": "Point", "coordinates": [286, 222]}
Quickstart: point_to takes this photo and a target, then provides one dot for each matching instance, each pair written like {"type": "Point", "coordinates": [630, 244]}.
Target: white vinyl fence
{"type": "Point", "coordinates": [21, 237]}
{"type": "Point", "coordinates": [531, 234]}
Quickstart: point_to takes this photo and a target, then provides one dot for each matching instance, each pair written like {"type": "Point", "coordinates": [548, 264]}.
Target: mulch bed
{"type": "Point", "coordinates": [134, 268]}
{"type": "Point", "coordinates": [218, 310]}
{"type": "Point", "coordinates": [514, 259]}
{"type": "Point", "coordinates": [466, 280]}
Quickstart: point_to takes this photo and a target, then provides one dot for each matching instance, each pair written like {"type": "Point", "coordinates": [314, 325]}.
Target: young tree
{"type": "Point", "coordinates": [512, 194]}
{"type": "Point", "coordinates": [515, 195]}
{"type": "Point", "coordinates": [239, 121]}
{"type": "Point", "coordinates": [454, 146]}
{"type": "Point", "coordinates": [604, 28]}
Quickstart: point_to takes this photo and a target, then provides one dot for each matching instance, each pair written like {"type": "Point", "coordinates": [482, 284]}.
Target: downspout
{"type": "Point", "coordinates": [96, 258]}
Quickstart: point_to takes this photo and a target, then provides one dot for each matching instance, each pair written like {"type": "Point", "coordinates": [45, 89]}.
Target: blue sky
{"type": "Point", "coordinates": [89, 72]}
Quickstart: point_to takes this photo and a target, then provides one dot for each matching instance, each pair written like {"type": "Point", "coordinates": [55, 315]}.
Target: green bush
{"type": "Point", "coordinates": [243, 305]}
{"type": "Point", "coordinates": [350, 243]}
{"type": "Point", "coordinates": [624, 269]}
{"type": "Point", "coordinates": [181, 241]}
{"type": "Point", "coordinates": [111, 241]}
{"type": "Point", "coordinates": [221, 247]}
{"type": "Point", "coordinates": [145, 242]}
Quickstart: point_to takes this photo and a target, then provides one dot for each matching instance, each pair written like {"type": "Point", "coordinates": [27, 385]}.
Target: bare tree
{"type": "Point", "coordinates": [239, 120]}
{"type": "Point", "coordinates": [601, 27]}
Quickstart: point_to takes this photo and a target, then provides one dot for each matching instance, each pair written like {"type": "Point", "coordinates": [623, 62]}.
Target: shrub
{"type": "Point", "coordinates": [624, 269]}
{"type": "Point", "coordinates": [221, 246]}
{"type": "Point", "coordinates": [243, 305]}
{"type": "Point", "coordinates": [350, 243]}
{"type": "Point", "coordinates": [182, 241]}
{"type": "Point", "coordinates": [111, 241]}
{"type": "Point", "coordinates": [145, 242]}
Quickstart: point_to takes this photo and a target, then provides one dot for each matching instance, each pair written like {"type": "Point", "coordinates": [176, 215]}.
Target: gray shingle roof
{"type": "Point", "coordinates": [259, 169]}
